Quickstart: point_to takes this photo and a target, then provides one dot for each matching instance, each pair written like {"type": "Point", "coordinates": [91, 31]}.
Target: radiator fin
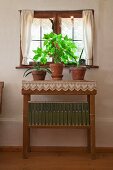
{"type": "Point", "coordinates": [44, 113]}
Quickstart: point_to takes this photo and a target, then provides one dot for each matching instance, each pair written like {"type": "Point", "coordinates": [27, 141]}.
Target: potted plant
{"type": "Point", "coordinates": [62, 50]}
{"type": "Point", "coordinates": [38, 72]}
{"type": "Point", "coordinates": [78, 68]}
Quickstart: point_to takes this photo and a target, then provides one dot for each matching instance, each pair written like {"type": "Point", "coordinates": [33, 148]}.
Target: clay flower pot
{"type": "Point", "coordinates": [56, 69]}
{"type": "Point", "coordinates": [38, 75]}
{"type": "Point", "coordinates": [78, 73]}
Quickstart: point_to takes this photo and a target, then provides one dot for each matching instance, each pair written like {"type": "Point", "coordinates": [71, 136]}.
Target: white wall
{"type": "Point", "coordinates": [11, 117]}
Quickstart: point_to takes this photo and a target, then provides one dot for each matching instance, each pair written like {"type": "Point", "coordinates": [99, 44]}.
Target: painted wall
{"type": "Point", "coordinates": [11, 117]}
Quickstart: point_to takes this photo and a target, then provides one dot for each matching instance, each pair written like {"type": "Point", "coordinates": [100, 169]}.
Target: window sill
{"type": "Point", "coordinates": [88, 67]}
{"type": "Point", "coordinates": [93, 66]}
{"type": "Point", "coordinates": [23, 67]}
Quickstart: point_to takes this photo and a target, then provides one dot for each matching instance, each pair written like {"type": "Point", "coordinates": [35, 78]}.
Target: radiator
{"type": "Point", "coordinates": [58, 113]}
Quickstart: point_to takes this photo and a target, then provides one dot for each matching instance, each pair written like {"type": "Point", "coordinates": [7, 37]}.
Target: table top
{"type": "Point", "coordinates": [61, 85]}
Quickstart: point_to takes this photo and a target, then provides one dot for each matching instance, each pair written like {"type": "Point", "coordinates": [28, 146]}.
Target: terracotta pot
{"type": "Point", "coordinates": [78, 73]}
{"type": "Point", "coordinates": [56, 69]}
{"type": "Point", "coordinates": [38, 75]}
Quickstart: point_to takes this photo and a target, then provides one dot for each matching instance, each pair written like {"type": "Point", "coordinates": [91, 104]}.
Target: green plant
{"type": "Point", "coordinates": [78, 69]}
{"type": "Point", "coordinates": [79, 61]}
{"type": "Point", "coordinates": [36, 67]}
{"type": "Point", "coordinates": [60, 48]}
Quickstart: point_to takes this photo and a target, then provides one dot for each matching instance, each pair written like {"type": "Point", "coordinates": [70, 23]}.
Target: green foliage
{"type": "Point", "coordinates": [36, 67]}
{"type": "Point", "coordinates": [61, 49]}
{"type": "Point", "coordinates": [40, 55]}
{"type": "Point", "coordinates": [79, 61]}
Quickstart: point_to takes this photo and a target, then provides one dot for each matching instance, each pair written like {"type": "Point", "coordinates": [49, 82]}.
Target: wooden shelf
{"type": "Point", "coordinates": [60, 126]}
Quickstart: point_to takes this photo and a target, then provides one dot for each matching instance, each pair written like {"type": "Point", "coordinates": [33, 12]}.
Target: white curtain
{"type": "Point", "coordinates": [26, 23]}
{"type": "Point", "coordinates": [88, 35]}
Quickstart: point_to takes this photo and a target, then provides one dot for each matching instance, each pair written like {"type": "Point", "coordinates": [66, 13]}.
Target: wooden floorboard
{"type": "Point", "coordinates": [55, 161]}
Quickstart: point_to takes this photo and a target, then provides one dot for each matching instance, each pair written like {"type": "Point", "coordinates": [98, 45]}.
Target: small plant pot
{"type": "Point", "coordinates": [78, 73]}
{"type": "Point", "coordinates": [57, 70]}
{"type": "Point", "coordinates": [38, 75]}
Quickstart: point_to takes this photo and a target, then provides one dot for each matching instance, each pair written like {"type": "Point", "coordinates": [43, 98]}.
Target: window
{"type": "Point", "coordinates": [66, 22]}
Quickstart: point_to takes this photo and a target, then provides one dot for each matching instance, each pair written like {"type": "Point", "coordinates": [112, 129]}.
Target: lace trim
{"type": "Point", "coordinates": [59, 85]}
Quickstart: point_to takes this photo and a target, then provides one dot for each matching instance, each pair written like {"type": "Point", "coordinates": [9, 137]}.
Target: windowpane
{"type": "Point", "coordinates": [46, 26]}
{"type": "Point", "coordinates": [73, 28]}
{"type": "Point", "coordinates": [35, 31]}
{"type": "Point", "coordinates": [33, 46]}
{"type": "Point", "coordinates": [66, 27]}
{"type": "Point", "coordinates": [80, 47]}
{"type": "Point", "coordinates": [40, 27]}
{"type": "Point", "coordinates": [78, 29]}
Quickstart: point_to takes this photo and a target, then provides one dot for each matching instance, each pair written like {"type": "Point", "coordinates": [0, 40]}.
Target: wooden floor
{"type": "Point", "coordinates": [55, 161]}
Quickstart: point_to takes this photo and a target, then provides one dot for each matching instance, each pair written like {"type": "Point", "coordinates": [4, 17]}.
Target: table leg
{"type": "Point", "coordinates": [29, 148]}
{"type": "Point", "coordinates": [88, 130]}
{"type": "Point", "coordinates": [88, 140]}
{"type": "Point", "coordinates": [26, 136]}
{"type": "Point", "coordinates": [92, 125]}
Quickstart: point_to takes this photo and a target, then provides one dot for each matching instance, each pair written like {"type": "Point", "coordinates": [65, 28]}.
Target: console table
{"type": "Point", "coordinates": [62, 87]}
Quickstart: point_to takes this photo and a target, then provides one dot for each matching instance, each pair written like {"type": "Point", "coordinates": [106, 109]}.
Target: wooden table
{"type": "Point", "coordinates": [61, 87]}
{"type": "Point", "coordinates": [1, 91]}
